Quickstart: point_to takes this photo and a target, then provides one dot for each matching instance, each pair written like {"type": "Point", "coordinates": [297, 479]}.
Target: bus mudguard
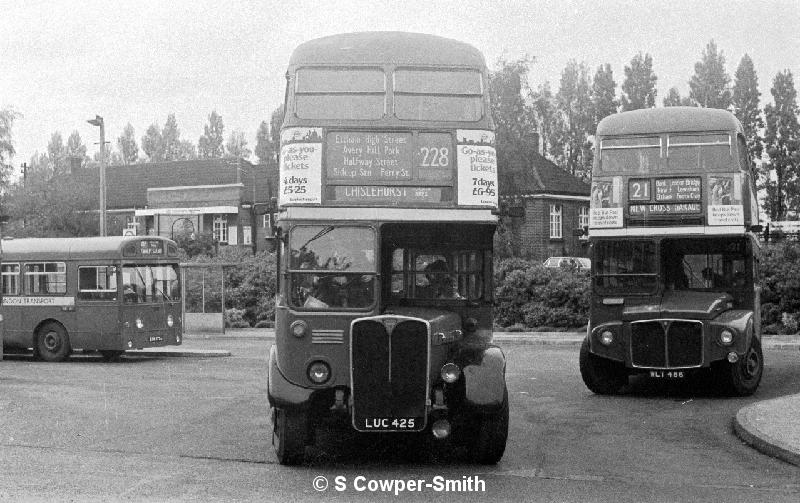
{"type": "Point", "coordinates": [741, 322]}
{"type": "Point", "coordinates": [281, 392]}
{"type": "Point", "coordinates": [485, 380]}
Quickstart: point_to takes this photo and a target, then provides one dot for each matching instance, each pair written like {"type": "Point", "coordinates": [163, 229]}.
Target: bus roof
{"type": "Point", "coordinates": [668, 120]}
{"type": "Point", "coordinates": [72, 248]}
{"type": "Point", "coordinates": [389, 47]}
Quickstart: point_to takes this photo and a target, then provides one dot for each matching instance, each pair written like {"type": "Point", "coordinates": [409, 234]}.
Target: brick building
{"type": "Point", "coordinates": [171, 199]}
{"type": "Point", "coordinates": [555, 204]}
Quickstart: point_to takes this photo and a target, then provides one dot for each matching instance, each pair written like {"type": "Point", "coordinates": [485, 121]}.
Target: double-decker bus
{"type": "Point", "coordinates": [106, 294]}
{"type": "Point", "coordinates": [388, 188]}
{"type": "Point", "coordinates": [673, 216]}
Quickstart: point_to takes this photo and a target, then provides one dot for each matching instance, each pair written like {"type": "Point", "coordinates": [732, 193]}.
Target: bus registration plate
{"type": "Point", "coordinates": [392, 424]}
{"type": "Point", "coordinates": [667, 374]}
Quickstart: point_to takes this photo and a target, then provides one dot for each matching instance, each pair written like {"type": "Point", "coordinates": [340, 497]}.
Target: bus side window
{"type": "Point", "coordinates": [97, 283]}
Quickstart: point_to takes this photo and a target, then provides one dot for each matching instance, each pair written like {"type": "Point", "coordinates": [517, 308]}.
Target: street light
{"type": "Point", "coordinates": [98, 121]}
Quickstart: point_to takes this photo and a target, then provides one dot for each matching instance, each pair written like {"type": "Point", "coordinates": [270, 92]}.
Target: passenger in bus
{"type": "Point", "coordinates": [440, 284]}
{"type": "Point", "coordinates": [129, 294]}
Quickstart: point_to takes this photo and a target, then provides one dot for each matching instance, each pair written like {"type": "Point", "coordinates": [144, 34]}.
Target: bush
{"type": "Point", "coordinates": [530, 294]}
{"type": "Point", "coordinates": [234, 319]}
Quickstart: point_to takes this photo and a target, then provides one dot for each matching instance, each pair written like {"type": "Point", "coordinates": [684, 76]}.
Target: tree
{"type": "Point", "coordinates": [57, 153]}
{"type": "Point", "coordinates": [7, 117]}
{"type": "Point", "coordinates": [545, 115]}
{"type": "Point", "coordinates": [236, 147]}
{"type": "Point", "coordinates": [710, 84]}
{"type": "Point", "coordinates": [573, 150]}
{"type": "Point", "coordinates": [639, 88]}
{"type": "Point", "coordinates": [604, 91]}
{"type": "Point", "coordinates": [171, 139]}
{"type": "Point", "coordinates": [674, 99]}
{"type": "Point", "coordinates": [75, 150]}
{"type": "Point", "coordinates": [745, 106]}
{"type": "Point", "coordinates": [187, 151]}
{"type": "Point", "coordinates": [782, 143]}
{"type": "Point", "coordinates": [128, 149]}
{"type": "Point", "coordinates": [153, 144]}
{"type": "Point", "coordinates": [52, 203]}
{"type": "Point", "coordinates": [266, 149]}
{"type": "Point", "coordinates": [209, 145]}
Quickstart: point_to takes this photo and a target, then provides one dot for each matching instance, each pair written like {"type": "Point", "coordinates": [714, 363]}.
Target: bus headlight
{"type": "Point", "coordinates": [319, 372]}
{"type": "Point", "coordinates": [450, 373]}
{"type": "Point", "coordinates": [170, 321]}
{"type": "Point", "coordinates": [139, 323]}
{"type": "Point", "coordinates": [298, 328]}
{"type": "Point", "coordinates": [726, 337]}
{"type": "Point", "coordinates": [606, 337]}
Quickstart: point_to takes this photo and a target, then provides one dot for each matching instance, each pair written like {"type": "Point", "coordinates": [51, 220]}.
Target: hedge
{"type": "Point", "coordinates": [528, 295]}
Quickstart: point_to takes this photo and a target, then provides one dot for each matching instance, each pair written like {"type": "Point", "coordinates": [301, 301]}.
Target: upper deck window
{"type": "Point", "coordinates": [340, 93]}
{"type": "Point", "coordinates": [445, 95]}
{"type": "Point", "coordinates": [636, 154]}
{"type": "Point", "coordinates": [694, 152]}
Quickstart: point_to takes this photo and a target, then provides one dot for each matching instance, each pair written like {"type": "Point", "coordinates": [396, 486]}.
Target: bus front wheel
{"type": "Point", "coordinates": [289, 433]}
{"type": "Point", "coordinates": [52, 342]}
{"type": "Point", "coordinates": [489, 442]}
{"type": "Point", "coordinates": [742, 378]}
{"type": "Point", "coordinates": [601, 376]}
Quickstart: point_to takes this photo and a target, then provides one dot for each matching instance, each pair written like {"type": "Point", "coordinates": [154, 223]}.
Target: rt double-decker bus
{"type": "Point", "coordinates": [673, 217]}
{"type": "Point", "coordinates": [388, 187]}
{"type": "Point", "coordinates": [106, 294]}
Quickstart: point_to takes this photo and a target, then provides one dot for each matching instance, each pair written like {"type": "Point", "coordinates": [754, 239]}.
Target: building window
{"type": "Point", "coordinates": [265, 221]}
{"type": "Point", "coordinates": [247, 235]}
{"type": "Point", "coordinates": [221, 228]}
{"type": "Point", "coordinates": [555, 221]}
{"type": "Point", "coordinates": [583, 220]}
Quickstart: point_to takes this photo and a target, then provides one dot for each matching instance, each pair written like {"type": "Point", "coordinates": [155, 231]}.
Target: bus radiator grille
{"type": "Point", "coordinates": [667, 344]}
{"type": "Point", "coordinates": [390, 373]}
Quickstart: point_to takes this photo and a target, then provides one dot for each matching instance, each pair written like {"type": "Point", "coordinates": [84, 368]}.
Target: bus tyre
{"type": "Point", "coordinates": [743, 377]}
{"type": "Point", "coordinates": [289, 431]}
{"type": "Point", "coordinates": [601, 376]}
{"type": "Point", "coordinates": [489, 442]}
{"type": "Point", "coordinates": [52, 342]}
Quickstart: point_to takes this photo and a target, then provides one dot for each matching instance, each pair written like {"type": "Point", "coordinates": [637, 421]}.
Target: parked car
{"type": "Point", "coordinates": [581, 263]}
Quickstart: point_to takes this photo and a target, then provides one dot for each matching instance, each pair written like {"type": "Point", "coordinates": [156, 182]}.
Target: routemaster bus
{"type": "Point", "coordinates": [673, 222]}
{"type": "Point", "coordinates": [106, 294]}
{"type": "Point", "coordinates": [386, 214]}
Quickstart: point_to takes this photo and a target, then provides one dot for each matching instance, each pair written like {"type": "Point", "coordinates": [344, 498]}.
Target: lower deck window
{"type": "Point", "coordinates": [97, 283]}
{"type": "Point", "coordinates": [10, 279]}
{"type": "Point", "coordinates": [421, 274]}
{"type": "Point", "coordinates": [45, 278]}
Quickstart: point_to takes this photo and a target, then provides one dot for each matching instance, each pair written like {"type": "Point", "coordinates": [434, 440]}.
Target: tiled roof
{"type": "Point", "coordinates": [127, 185]}
{"type": "Point", "coordinates": [536, 175]}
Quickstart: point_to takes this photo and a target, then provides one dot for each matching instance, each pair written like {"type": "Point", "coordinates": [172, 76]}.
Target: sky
{"type": "Point", "coordinates": [63, 62]}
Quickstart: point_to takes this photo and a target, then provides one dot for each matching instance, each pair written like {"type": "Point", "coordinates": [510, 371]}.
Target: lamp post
{"type": "Point", "coordinates": [98, 121]}
{"type": "Point", "coordinates": [253, 226]}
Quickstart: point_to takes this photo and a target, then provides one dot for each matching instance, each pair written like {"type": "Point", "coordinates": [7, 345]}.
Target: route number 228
{"type": "Point", "coordinates": [434, 156]}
